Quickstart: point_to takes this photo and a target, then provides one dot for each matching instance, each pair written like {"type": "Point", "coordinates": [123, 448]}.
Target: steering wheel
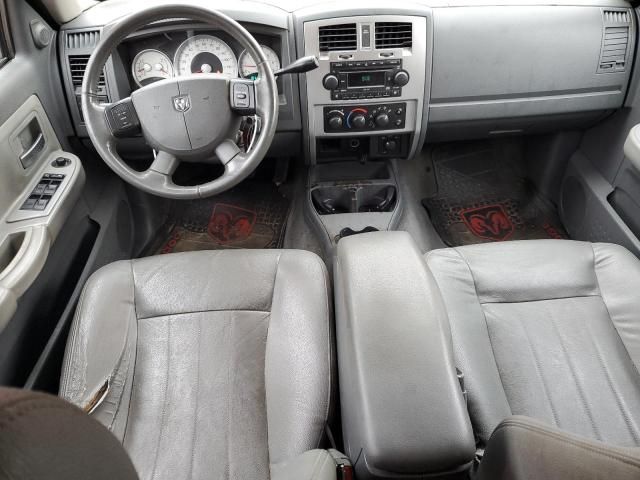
{"type": "Point", "coordinates": [190, 118]}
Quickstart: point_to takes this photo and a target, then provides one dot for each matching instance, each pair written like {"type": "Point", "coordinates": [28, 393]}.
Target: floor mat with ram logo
{"type": "Point", "coordinates": [251, 215]}
{"type": "Point", "coordinates": [483, 197]}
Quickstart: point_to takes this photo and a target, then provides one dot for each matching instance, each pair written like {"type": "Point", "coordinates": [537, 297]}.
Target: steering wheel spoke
{"type": "Point", "coordinates": [159, 176]}
{"type": "Point", "coordinates": [122, 118]}
{"type": "Point", "coordinates": [227, 151]}
{"type": "Point", "coordinates": [164, 164]}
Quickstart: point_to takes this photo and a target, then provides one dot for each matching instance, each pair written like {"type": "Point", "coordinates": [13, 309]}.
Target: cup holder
{"type": "Point", "coordinates": [354, 199]}
{"type": "Point", "coordinates": [376, 198]}
{"type": "Point", "coordinates": [332, 200]}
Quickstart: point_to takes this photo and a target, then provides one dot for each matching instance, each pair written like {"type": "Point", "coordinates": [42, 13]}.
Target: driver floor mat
{"type": "Point", "coordinates": [251, 215]}
{"type": "Point", "coordinates": [483, 198]}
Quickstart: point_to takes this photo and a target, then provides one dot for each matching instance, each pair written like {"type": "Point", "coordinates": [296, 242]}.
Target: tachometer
{"type": "Point", "coordinates": [205, 54]}
{"type": "Point", "coordinates": [150, 66]}
{"type": "Point", "coordinates": [247, 64]}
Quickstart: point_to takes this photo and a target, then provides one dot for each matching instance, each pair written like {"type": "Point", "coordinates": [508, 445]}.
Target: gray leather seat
{"type": "Point", "coordinates": [546, 329]}
{"type": "Point", "coordinates": [208, 364]}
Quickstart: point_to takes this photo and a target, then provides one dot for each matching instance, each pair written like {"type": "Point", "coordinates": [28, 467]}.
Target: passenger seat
{"type": "Point", "coordinates": [549, 329]}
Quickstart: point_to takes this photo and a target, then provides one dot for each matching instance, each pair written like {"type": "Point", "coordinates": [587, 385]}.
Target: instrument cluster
{"type": "Point", "coordinates": [200, 53]}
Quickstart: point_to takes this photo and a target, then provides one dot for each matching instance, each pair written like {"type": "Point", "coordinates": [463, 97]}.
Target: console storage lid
{"type": "Point", "coordinates": [403, 410]}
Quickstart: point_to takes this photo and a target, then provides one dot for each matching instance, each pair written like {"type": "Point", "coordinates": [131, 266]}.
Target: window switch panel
{"type": "Point", "coordinates": [43, 192]}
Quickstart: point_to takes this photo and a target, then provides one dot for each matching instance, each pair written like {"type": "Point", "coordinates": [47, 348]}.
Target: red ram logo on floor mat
{"type": "Point", "coordinates": [230, 224]}
{"type": "Point", "coordinates": [490, 222]}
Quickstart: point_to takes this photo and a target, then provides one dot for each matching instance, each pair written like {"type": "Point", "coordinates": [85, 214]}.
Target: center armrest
{"type": "Point", "coordinates": [403, 410]}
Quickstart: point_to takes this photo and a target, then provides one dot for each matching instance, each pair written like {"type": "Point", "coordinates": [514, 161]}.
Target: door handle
{"type": "Point", "coordinates": [28, 156]}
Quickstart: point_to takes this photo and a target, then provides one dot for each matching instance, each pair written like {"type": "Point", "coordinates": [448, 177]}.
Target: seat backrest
{"type": "Point", "coordinates": [522, 448]}
{"type": "Point", "coordinates": [42, 436]}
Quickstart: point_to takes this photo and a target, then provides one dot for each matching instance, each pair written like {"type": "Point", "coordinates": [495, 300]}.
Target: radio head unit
{"type": "Point", "coordinates": [365, 79]}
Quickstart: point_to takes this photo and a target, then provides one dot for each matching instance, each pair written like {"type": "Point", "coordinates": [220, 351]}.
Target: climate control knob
{"type": "Point", "coordinates": [382, 120]}
{"type": "Point", "coordinates": [359, 121]}
{"type": "Point", "coordinates": [335, 122]}
{"type": "Point", "coordinates": [401, 78]}
{"type": "Point", "coordinates": [330, 82]}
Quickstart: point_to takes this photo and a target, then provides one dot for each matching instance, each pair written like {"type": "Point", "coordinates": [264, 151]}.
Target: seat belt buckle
{"type": "Point", "coordinates": [344, 469]}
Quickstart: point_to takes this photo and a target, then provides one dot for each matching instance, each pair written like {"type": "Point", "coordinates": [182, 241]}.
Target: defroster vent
{"type": "Point", "coordinates": [88, 39]}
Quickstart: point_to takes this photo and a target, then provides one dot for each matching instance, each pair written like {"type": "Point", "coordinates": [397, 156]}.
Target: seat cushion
{"type": "Point", "coordinates": [548, 329]}
{"type": "Point", "coordinates": [215, 364]}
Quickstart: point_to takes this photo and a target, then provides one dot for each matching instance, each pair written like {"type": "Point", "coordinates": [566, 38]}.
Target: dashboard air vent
{"type": "Point", "coordinates": [338, 37]}
{"type": "Point", "coordinates": [615, 41]}
{"type": "Point", "coordinates": [616, 16]}
{"type": "Point", "coordinates": [76, 40]}
{"type": "Point", "coordinates": [77, 67]}
{"type": "Point", "coordinates": [393, 34]}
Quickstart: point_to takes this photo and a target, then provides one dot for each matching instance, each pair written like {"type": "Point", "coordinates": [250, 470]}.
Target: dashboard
{"type": "Point", "coordinates": [391, 76]}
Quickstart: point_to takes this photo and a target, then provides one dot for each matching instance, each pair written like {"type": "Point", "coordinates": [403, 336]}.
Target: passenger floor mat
{"type": "Point", "coordinates": [482, 197]}
{"type": "Point", "coordinates": [251, 215]}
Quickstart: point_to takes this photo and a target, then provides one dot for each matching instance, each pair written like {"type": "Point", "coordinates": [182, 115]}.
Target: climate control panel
{"type": "Point", "coordinates": [387, 116]}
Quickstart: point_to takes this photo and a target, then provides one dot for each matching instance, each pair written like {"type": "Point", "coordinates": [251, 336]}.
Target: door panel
{"type": "Point", "coordinates": [39, 185]}
{"type": "Point", "coordinates": [40, 182]}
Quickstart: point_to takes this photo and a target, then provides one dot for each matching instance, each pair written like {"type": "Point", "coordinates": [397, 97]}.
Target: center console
{"type": "Point", "coordinates": [365, 111]}
{"type": "Point", "coordinates": [404, 414]}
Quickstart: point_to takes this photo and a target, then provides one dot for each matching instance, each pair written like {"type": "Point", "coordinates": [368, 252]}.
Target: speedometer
{"type": "Point", "coordinates": [205, 54]}
{"type": "Point", "coordinates": [248, 67]}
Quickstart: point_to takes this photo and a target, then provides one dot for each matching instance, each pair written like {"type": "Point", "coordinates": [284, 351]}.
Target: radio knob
{"type": "Point", "coordinates": [330, 82]}
{"type": "Point", "coordinates": [335, 122]}
{"type": "Point", "coordinates": [359, 121]}
{"type": "Point", "coordinates": [401, 78]}
{"type": "Point", "coordinates": [382, 120]}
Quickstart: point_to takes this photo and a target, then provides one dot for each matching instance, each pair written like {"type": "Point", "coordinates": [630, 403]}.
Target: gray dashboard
{"type": "Point", "coordinates": [478, 69]}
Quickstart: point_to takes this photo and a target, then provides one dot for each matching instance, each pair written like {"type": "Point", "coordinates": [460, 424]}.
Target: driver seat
{"type": "Point", "coordinates": [211, 364]}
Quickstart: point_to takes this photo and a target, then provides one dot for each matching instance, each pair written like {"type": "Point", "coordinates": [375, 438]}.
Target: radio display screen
{"type": "Point", "coordinates": [365, 79]}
